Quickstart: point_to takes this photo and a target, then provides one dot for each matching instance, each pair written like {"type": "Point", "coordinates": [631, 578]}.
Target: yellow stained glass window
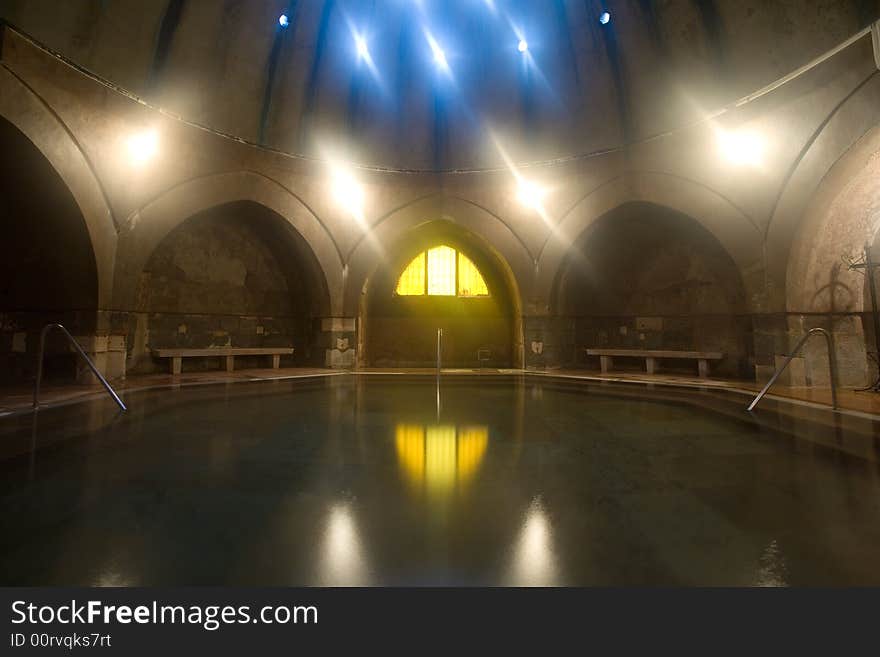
{"type": "Point", "coordinates": [442, 271]}
{"type": "Point", "coordinates": [470, 281]}
{"type": "Point", "coordinates": [412, 281]}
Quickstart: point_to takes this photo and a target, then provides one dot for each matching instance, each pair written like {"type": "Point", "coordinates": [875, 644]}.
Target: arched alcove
{"type": "Point", "coordinates": [47, 266]}
{"type": "Point", "coordinates": [644, 276]}
{"type": "Point", "coordinates": [237, 274]}
{"type": "Point", "coordinates": [401, 331]}
{"type": "Point", "coordinates": [843, 217]}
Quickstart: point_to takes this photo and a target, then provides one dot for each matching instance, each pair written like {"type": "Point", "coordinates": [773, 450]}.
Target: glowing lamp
{"type": "Point", "coordinates": [347, 192]}
{"type": "Point", "coordinates": [437, 51]}
{"type": "Point", "coordinates": [360, 44]}
{"type": "Point", "coordinates": [143, 146]}
{"type": "Point", "coordinates": [530, 195]}
{"type": "Point", "coordinates": [741, 148]}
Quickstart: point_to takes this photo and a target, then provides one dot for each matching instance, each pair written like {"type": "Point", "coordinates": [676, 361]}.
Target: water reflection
{"type": "Point", "coordinates": [772, 568]}
{"type": "Point", "coordinates": [343, 561]}
{"type": "Point", "coordinates": [534, 562]}
{"type": "Point", "coordinates": [315, 485]}
{"type": "Point", "coordinates": [439, 457]}
{"type": "Point", "coordinates": [113, 575]}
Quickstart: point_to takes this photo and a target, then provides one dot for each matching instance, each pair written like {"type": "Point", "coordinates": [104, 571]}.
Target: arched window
{"type": "Point", "coordinates": [442, 271]}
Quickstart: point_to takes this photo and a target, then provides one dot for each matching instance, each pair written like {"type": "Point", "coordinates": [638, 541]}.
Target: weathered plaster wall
{"type": "Point", "coordinates": [223, 278]}
{"type": "Point", "coordinates": [822, 290]}
{"type": "Point", "coordinates": [645, 277]}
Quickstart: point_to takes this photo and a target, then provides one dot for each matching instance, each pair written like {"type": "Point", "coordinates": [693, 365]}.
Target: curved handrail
{"type": "Point", "coordinates": [832, 367]}
{"type": "Point", "coordinates": [41, 353]}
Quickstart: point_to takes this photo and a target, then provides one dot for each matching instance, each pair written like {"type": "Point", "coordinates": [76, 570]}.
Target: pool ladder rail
{"type": "Point", "coordinates": [832, 367]}
{"type": "Point", "coordinates": [41, 354]}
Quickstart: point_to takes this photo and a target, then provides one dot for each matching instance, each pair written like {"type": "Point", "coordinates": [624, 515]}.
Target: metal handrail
{"type": "Point", "coordinates": [832, 367]}
{"type": "Point", "coordinates": [41, 353]}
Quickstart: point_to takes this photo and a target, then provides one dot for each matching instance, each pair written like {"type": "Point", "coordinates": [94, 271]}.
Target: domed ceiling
{"type": "Point", "coordinates": [440, 84]}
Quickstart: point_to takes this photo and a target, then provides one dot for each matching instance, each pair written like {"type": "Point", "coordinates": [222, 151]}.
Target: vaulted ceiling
{"type": "Point", "coordinates": [582, 86]}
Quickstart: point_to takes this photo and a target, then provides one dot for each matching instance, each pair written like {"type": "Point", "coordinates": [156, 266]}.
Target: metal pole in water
{"type": "Point", "coordinates": [439, 345]}
{"type": "Point", "coordinates": [439, 342]}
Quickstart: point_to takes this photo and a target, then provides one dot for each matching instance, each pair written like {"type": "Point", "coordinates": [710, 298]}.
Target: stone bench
{"type": "Point", "coordinates": [229, 353]}
{"type": "Point", "coordinates": [651, 356]}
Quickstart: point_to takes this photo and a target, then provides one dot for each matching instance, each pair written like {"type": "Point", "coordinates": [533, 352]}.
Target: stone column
{"type": "Point", "coordinates": [546, 344]}
{"type": "Point", "coordinates": [107, 352]}
{"type": "Point", "coordinates": [770, 336]}
{"type": "Point", "coordinates": [338, 338]}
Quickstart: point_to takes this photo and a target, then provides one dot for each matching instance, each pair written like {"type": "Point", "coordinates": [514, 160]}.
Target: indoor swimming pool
{"type": "Point", "coordinates": [395, 480]}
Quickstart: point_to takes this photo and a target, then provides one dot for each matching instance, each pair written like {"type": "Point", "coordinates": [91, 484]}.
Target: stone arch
{"type": "Point", "coordinates": [147, 227]}
{"type": "Point", "coordinates": [499, 238]}
{"type": "Point", "coordinates": [493, 322]}
{"type": "Point", "coordinates": [734, 230]}
{"type": "Point", "coordinates": [842, 217]}
{"type": "Point", "coordinates": [236, 274]}
{"type": "Point", "coordinates": [22, 107]}
{"type": "Point", "coordinates": [843, 140]}
{"type": "Point", "coordinates": [48, 271]}
{"type": "Point", "coordinates": [644, 276]}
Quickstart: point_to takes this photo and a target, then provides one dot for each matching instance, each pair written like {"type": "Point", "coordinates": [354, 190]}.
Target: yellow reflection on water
{"type": "Point", "coordinates": [410, 442]}
{"type": "Point", "coordinates": [440, 456]}
{"type": "Point", "coordinates": [440, 448]}
{"type": "Point", "coordinates": [472, 444]}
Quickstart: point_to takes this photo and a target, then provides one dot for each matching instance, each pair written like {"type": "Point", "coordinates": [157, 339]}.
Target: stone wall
{"type": "Point", "coordinates": [222, 278]}
{"type": "Point", "coordinates": [674, 288]}
{"type": "Point", "coordinates": [47, 270]}
{"type": "Point", "coordinates": [645, 277]}
{"type": "Point", "coordinates": [401, 331]}
{"type": "Point", "coordinates": [822, 289]}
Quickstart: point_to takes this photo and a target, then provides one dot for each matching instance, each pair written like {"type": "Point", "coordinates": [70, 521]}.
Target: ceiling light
{"type": "Point", "coordinates": [363, 51]}
{"type": "Point", "coordinates": [530, 194]}
{"type": "Point", "coordinates": [439, 56]}
{"type": "Point", "coordinates": [741, 147]}
{"type": "Point", "coordinates": [143, 146]}
{"type": "Point", "coordinates": [347, 191]}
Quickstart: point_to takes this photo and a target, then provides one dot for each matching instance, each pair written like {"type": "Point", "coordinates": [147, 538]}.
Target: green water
{"type": "Point", "coordinates": [377, 480]}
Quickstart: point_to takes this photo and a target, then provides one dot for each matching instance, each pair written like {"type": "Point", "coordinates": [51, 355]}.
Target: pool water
{"type": "Point", "coordinates": [384, 480]}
